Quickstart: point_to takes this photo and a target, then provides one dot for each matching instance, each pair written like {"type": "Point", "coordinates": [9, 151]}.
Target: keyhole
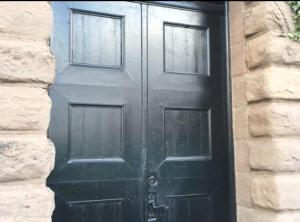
{"type": "Point", "coordinates": [153, 180]}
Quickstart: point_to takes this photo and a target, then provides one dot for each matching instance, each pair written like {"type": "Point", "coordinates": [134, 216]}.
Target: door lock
{"type": "Point", "coordinates": [156, 213]}
{"type": "Point", "coordinates": [153, 180]}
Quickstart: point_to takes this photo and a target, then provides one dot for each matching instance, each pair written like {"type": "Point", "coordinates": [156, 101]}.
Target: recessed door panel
{"type": "Point", "coordinates": [187, 133]}
{"type": "Point", "coordinates": [95, 132]}
{"type": "Point", "coordinates": [185, 49]}
{"type": "Point", "coordinates": [96, 39]}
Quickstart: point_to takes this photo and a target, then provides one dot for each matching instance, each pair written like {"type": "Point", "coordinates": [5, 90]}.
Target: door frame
{"type": "Point", "coordinates": [229, 119]}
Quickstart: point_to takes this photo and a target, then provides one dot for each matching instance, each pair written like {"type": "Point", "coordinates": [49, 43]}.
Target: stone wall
{"type": "Point", "coordinates": [26, 155]}
{"type": "Point", "coordinates": [265, 68]}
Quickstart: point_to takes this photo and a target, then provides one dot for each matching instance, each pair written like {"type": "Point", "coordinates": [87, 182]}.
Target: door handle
{"type": "Point", "coordinates": [160, 214]}
{"type": "Point", "coordinates": [156, 212]}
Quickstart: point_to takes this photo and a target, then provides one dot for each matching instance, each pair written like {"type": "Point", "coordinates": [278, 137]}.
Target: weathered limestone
{"type": "Point", "coordinates": [240, 122]}
{"type": "Point", "coordinates": [26, 201]}
{"type": "Point", "coordinates": [242, 156]}
{"type": "Point", "coordinates": [237, 33]}
{"type": "Point", "coordinates": [275, 154]}
{"type": "Point", "coordinates": [268, 17]}
{"type": "Point", "coordinates": [26, 155]}
{"type": "Point", "coordinates": [28, 219]}
{"type": "Point", "coordinates": [268, 49]}
{"type": "Point", "coordinates": [266, 112]}
{"type": "Point", "coordinates": [25, 158]}
{"type": "Point", "coordinates": [244, 214]}
{"type": "Point", "coordinates": [25, 61]}
{"type": "Point", "coordinates": [243, 195]}
{"type": "Point", "coordinates": [238, 62]}
{"type": "Point", "coordinates": [29, 20]}
{"type": "Point", "coordinates": [276, 192]}
{"type": "Point", "coordinates": [273, 83]}
{"type": "Point", "coordinates": [240, 108]}
{"type": "Point", "coordinates": [274, 119]}
{"type": "Point", "coordinates": [257, 215]}
{"type": "Point", "coordinates": [24, 108]}
{"type": "Point", "coordinates": [239, 90]}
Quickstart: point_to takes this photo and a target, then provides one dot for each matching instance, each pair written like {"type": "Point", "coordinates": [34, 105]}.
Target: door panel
{"type": "Point", "coordinates": [185, 49]}
{"type": "Point", "coordinates": [186, 125]}
{"type": "Point", "coordinates": [96, 39]}
{"type": "Point", "coordinates": [96, 115]}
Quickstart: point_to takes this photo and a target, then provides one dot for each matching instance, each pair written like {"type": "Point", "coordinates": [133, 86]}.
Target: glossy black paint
{"type": "Point", "coordinates": [140, 112]}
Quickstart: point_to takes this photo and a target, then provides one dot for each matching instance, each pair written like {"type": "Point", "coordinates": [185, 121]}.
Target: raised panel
{"type": "Point", "coordinates": [96, 132]}
{"type": "Point", "coordinates": [95, 212]}
{"type": "Point", "coordinates": [190, 209]}
{"type": "Point", "coordinates": [187, 133]}
{"type": "Point", "coordinates": [96, 39]}
{"type": "Point", "coordinates": [186, 49]}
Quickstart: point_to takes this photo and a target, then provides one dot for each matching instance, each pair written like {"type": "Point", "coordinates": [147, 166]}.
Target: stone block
{"type": "Point", "coordinates": [25, 201]}
{"type": "Point", "coordinates": [273, 83]}
{"type": "Point", "coordinates": [267, 49]}
{"type": "Point", "coordinates": [274, 118]}
{"type": "Point", "coordinates": [244, 214]}
{"type": "Point", "coordinates": [263, 215]}
{"type": "Point", "coordinates": [275, 154]}
{"type": "Point", "coordinates": [240, 123]}
{"type": "Point", "coordinates": [239, 91]}
{"type": "Point", "coordinates": [235, 6]}
{"type": "Point", "coordinates": [238, 59]}
{"type": "Point", "coordinates": [265, 16]}
{"type": "Point", "coordinates": [241, 155]}
{"type": "Point", "coordinates": [25, 158]}
{"type": "Point", "coordinates": [237, 33]}
{"type": "Point", "coordinates": [26, 61]}
{"type": "Point", "coordinates": [22, 219]}
{"type": "Point", "coordinates": [276, 192]}
{"type": "Point", "coordinates": [243, 182]}
{"type": "Point", "coordinates": [26, 20]}
{"type": "Point", "coordinates": [24, 108]}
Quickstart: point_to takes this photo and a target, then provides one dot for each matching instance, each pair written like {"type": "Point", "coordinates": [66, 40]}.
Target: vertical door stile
{"type": "Point", "coordinates": [144, 36]}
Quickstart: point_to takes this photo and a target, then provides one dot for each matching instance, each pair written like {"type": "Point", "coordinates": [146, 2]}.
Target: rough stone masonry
{"type": "Point", "coordinates": [265, 69]}
{"type": "Point", "coordinates": [26, 154]}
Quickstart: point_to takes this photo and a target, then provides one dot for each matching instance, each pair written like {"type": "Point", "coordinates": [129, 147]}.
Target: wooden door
{"type": "Point", "coordinates": [96, 114]}
{"type": "Point", "coordinates": [139, 112]}
{"type": "Point", "coordinates": [187, 153]}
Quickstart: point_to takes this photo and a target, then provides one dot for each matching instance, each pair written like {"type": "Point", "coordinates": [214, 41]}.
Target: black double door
{"type": "Point", "coordinates": [138, 113]}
